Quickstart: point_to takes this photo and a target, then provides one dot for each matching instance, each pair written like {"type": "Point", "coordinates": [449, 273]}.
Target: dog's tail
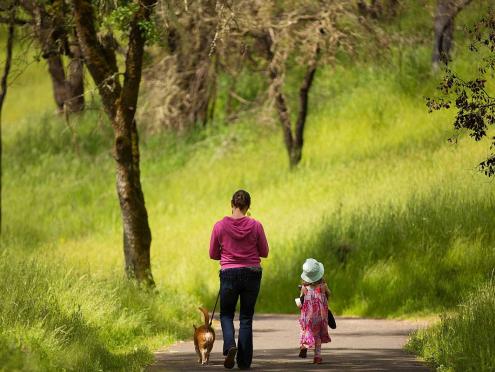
{"type": "Point", "coordinates": [206, 314]}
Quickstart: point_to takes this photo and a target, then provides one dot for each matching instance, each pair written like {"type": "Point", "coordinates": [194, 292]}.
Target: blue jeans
{"type": "Point", "coordinates": [241, 282]}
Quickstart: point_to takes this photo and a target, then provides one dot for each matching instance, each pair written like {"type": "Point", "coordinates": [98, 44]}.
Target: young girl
{"type": "Point", "coordinates": [314, 309]}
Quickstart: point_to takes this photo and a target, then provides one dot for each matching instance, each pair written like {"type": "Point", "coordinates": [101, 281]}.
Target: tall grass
{"type": "Point", "coordinates": [57, 319]}
{"type": "Point", "coordinates": [390, 260]}
{"type": "Point", "coordinates": [463, 340]}
{"type": "Point", "coordinates": [378, 177]}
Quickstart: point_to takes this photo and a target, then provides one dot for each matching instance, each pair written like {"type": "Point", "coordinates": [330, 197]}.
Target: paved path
{"type": "Point", "coordinates": [357, 345]}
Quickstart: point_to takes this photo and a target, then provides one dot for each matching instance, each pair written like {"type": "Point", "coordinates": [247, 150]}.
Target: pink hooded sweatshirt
{"type": "Point", "coordinates": [238, 242]}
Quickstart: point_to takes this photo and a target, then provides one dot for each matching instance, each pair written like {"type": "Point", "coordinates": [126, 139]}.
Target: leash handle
{"type": "Point", "coordinates": [214, 308]}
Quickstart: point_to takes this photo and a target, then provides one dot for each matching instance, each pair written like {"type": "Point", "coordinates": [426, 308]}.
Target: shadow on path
{"type": "Point", "coordinates": [357, 345]}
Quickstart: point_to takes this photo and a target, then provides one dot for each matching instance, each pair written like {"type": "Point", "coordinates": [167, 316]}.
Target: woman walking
{"type": "Point", "coordinates": [238, 241]}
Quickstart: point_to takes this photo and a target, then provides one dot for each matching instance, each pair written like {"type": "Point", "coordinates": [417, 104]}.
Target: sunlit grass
{"type": "Point", "coordinates": [463, 340]}
{"type": "Point", "coordinates": [350, 168]}
{"type": "Point", "coordinates": [54, 318]}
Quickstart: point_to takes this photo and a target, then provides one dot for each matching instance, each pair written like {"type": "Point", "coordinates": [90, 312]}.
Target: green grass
{"type": "Point", "coordinates": [463, 340]}
{"type": "Point", "coordinates": [55, 318]}
{"type": "Point", "coordinates": [400, 217]}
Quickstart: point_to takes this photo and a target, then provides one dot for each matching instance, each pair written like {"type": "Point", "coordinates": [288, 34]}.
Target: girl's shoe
{"type": "Point", "coordinates": [303, 352]}
{"type": "Point", "coordinates": [317, 360]}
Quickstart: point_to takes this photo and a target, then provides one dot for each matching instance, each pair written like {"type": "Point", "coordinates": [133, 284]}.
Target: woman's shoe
{"type": "Point", "coordinates": [230, 358]}
{"type": "Point", "coordinates": [317, 360]}
{"type": "Point", "coordinates": [303, 352]}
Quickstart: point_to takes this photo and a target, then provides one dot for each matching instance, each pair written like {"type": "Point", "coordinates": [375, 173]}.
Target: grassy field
{"type": "Point", "coordinates": [400, 217]}
{"type": "Point", "coordinates": [464, 339]}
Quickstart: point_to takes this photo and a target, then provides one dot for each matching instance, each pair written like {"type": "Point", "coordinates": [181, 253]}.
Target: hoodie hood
{"type": "Point", "coordinates": [238, 228]}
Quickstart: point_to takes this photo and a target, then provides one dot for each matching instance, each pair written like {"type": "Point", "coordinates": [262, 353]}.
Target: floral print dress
{"type": "Point", "coordinates": [314, 316]}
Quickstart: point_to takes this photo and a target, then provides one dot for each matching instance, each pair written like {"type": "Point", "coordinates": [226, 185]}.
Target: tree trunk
{"type": "Point", "coordinates": [283, 114]}
{"type": "Point", "coordinates": [57, 75]}
{"type": "Point", "coordinates": [303, 105]}
{"type": "Point", "coordinates": [444, 27]}
{"type": "Point", "coordinates": [52, 32]}
{"type": "Point", "coordinates": [190, 42]}
{"type": "Point", "coordinates": [137, 234]}
{"type": "Point", "coordinates": [3, 87]}
{"type": "Point", "coordinates": [293, 141]}
{"type": "Point", "coordinates": [446, 12]}
{"type": "Point", "coordinates": [120, 102]}
{"type": "Point", "coordinates": [75, 80]}
{"type": "Point", "coordinates": [201, 89]}
{"type": "Point", "coordinates": [68, 89]}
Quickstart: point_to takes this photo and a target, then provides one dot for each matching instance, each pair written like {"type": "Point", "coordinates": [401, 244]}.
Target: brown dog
{"type": "Point", "coordinates": [204, 337]}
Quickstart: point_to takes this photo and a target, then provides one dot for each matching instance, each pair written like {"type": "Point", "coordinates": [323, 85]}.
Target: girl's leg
{"type": "Point", "coordinates": [303, 351]}
{"type": "Point", "coordinates": [317, 358]}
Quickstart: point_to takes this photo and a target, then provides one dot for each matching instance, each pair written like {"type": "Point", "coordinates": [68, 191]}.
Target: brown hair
{"type": "Point", "coordinates": [322, 280]}
{"type": "Point", "coordinates": [241, 199]}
